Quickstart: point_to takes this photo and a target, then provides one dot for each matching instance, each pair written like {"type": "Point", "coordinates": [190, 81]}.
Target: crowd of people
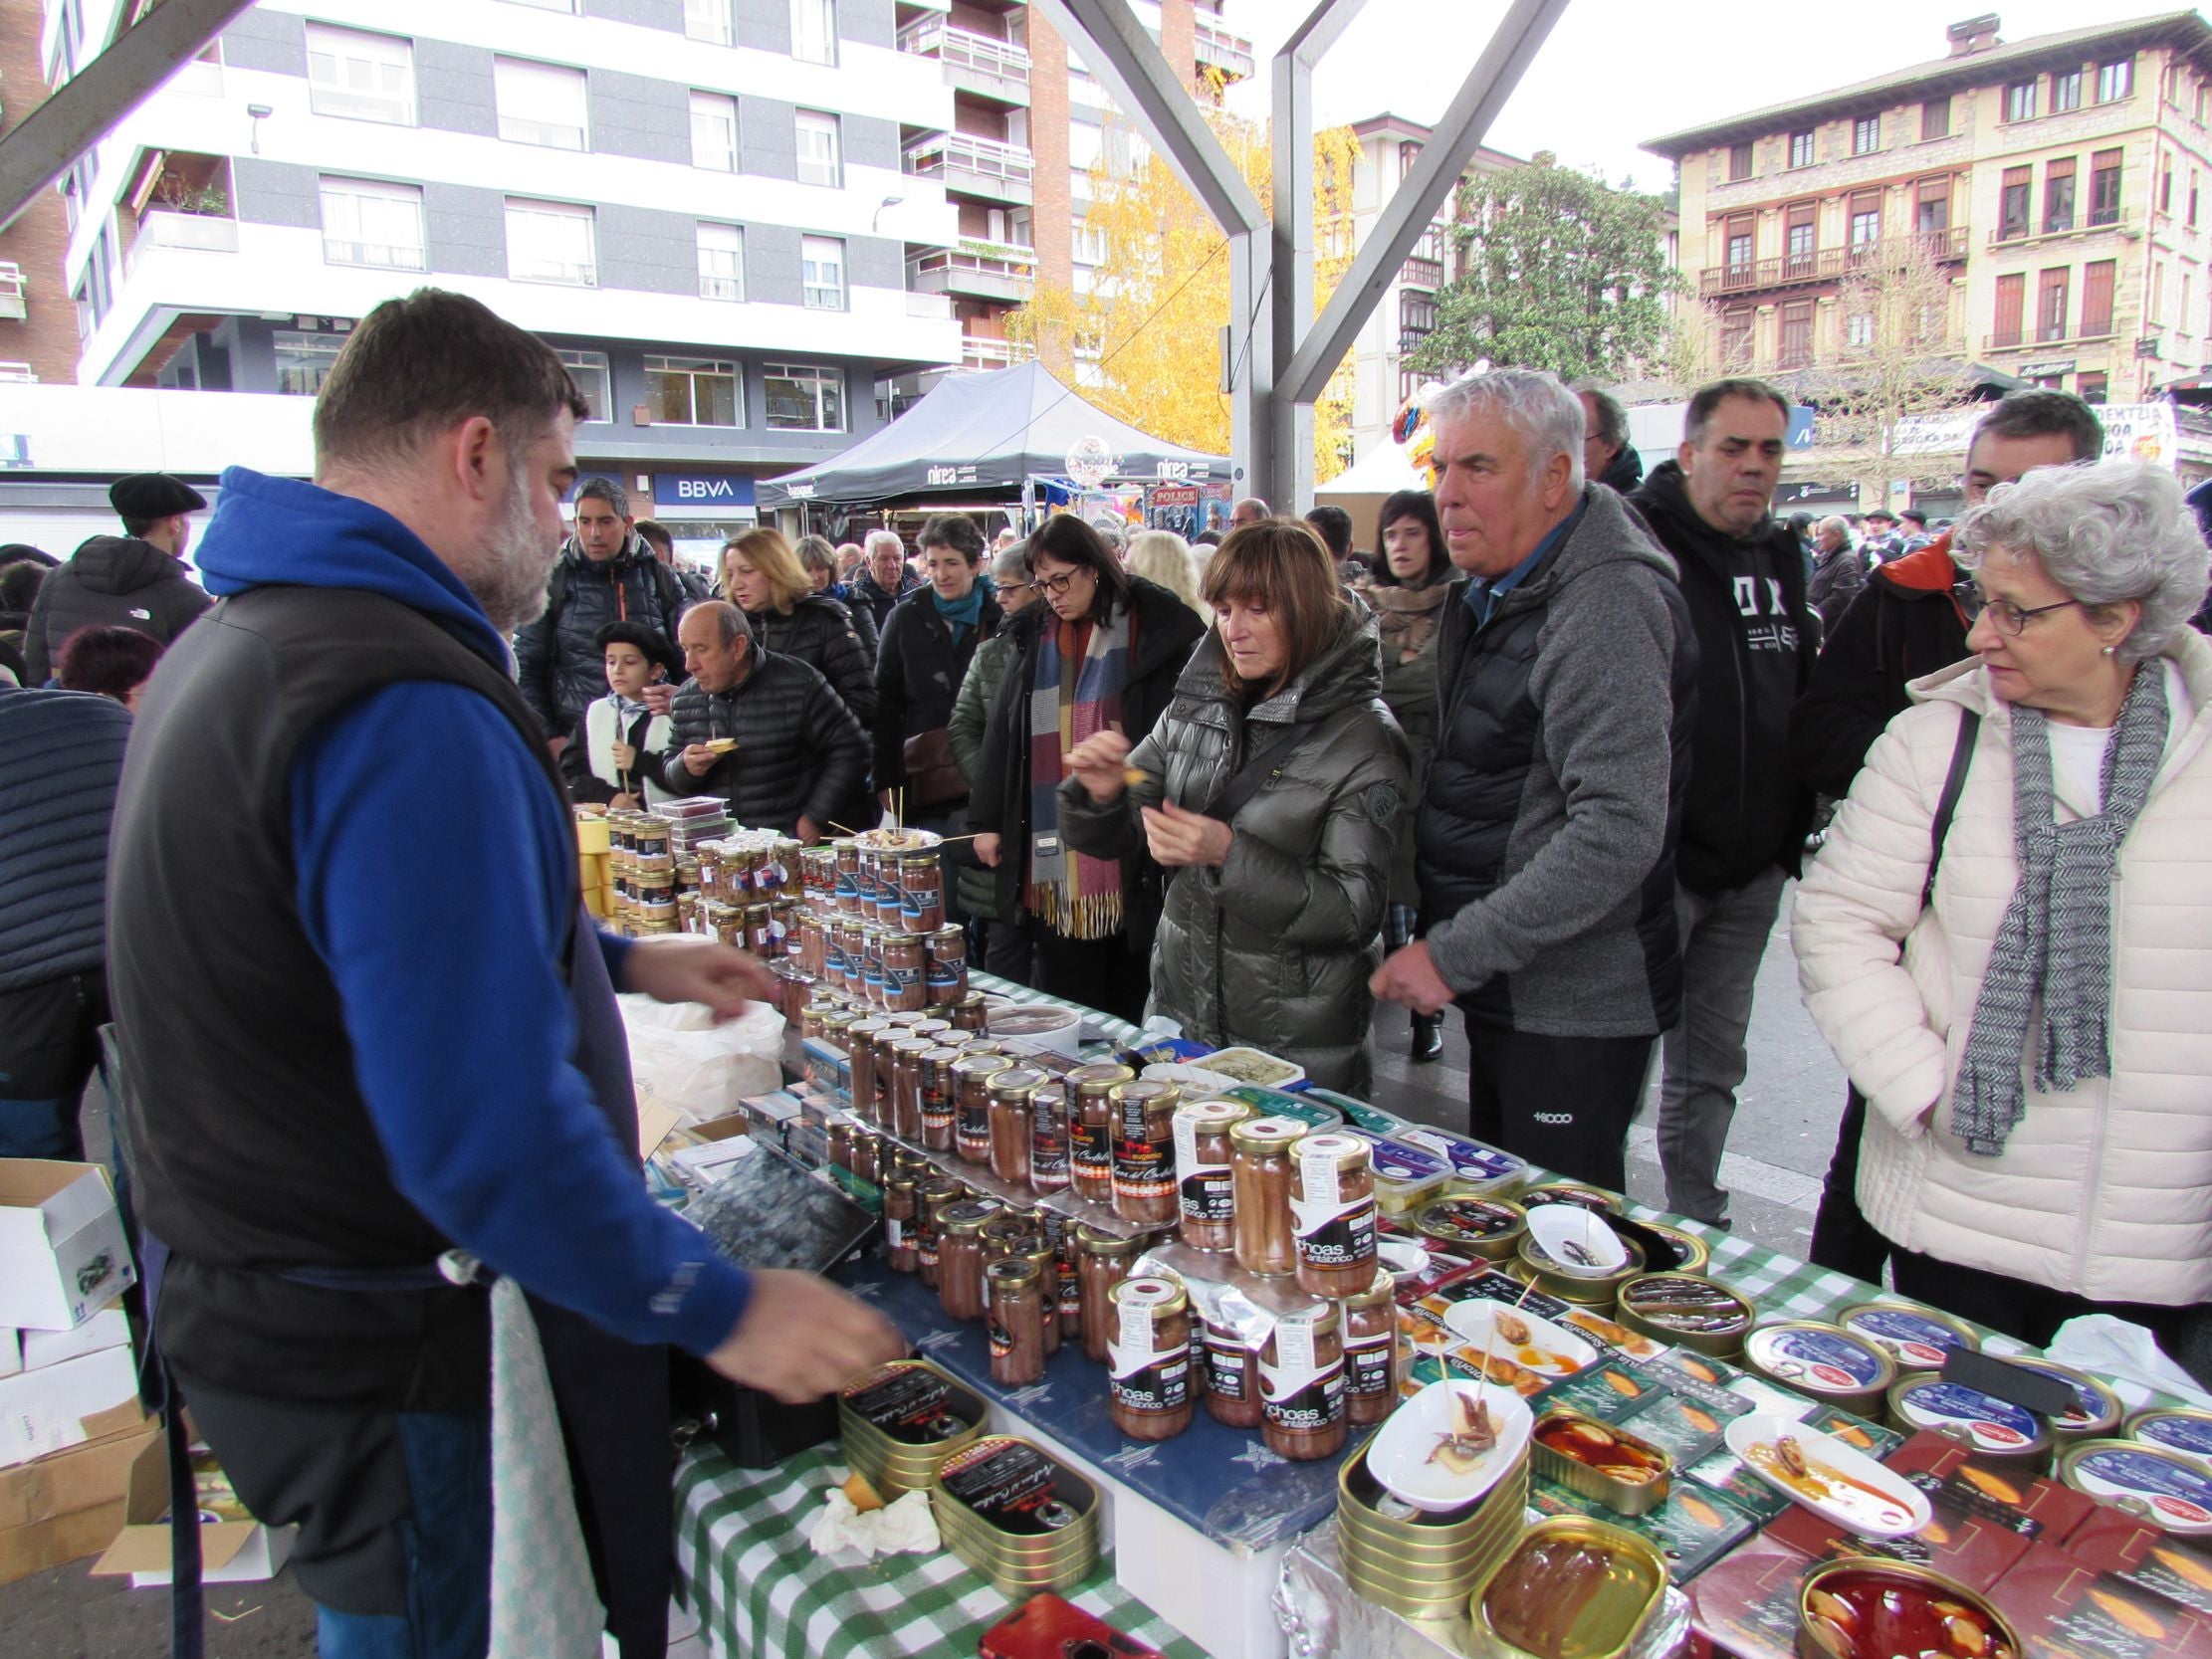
{"type": "Point", "coordinates": [1549, 754]}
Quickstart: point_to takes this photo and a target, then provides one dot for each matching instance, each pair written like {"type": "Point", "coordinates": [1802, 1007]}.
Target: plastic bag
{"type": "Point", "coordinates": [2126, 1356]}
{"type": "Point", "coordinates": [681, 1059]}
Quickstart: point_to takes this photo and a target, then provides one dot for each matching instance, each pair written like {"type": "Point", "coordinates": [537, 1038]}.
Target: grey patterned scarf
{"type": "Point", "coordinates": [2055, 940]}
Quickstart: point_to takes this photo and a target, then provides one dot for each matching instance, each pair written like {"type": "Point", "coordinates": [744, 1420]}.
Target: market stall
{"type": "Point", "coordinates": [1276, 1312]}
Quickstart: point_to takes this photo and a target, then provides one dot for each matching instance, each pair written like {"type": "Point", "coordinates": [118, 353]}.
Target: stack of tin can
{"type": "Point", "coordinates": [901, 1423]}
{"type": "Point", "coordinates": [1418, 1564]}
{"type": "Point", "coordinates": [1017, 1515]}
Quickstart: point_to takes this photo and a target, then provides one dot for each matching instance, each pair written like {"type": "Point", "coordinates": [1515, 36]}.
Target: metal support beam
{"type": "Point", "coordinates": [1281, 468]}
{"type": "Point", "coordinates": [50, 139]}
{"type": "Point", "coordinates": [1443, 160]}
{"type": "Point", "coordinates": [1123, 56]}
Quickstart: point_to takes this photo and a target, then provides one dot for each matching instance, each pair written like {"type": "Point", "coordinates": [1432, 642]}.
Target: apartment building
{"type": "Point", "coordinates": [2063, 182]}
{"type": "Point", "coordinates": [708, 206]}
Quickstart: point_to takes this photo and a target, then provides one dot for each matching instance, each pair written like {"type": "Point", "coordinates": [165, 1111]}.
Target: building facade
{"type": "Point", "coordinates": [2063, 185]}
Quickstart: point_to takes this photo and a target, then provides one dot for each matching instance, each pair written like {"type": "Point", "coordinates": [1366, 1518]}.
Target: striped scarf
{"type": "Point", "coordinates": [2055, 940]}
{"type": "Point", "coordinates": [1081, 670]}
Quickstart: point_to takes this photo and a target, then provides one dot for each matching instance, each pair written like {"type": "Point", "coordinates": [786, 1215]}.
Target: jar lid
{"type": "Point", "coordinates": [1145, 1089]}
{"type": "Point", "coordinates": [940, 1186]}
{"type": "Point", "coordinates": [1320, 1319]}
{"type": "Point", "coordinates": [912, 1045]}
{"type": "Point", "coordinates": [1347, 1151]}
{"type": "Point", "coordinates": [1099, 1077]}
{"type": "Point", "coordinates": [1384, 1288]}
{"type": "Point", "coordinates": [980, 1064]}
{"type": "Point", "coordinates": [1012, 1272]}
{"type": "Point", "coordinates": [1100, 1243]}
{"type": "Point", "coordinates": [1019, 1080]}
{"type": "Point", "coordinates": [1215, 1115]}
{"type": "Point", "coordinates": [903, 940]}
{"type": "Point", "coordinates": [952, 927]}
{"type": "Point", "coordinates": [1157, 1293]}
{"type": "Point", "coordinates": [872, 1026]}
{"type": "Point", "coordinates": [968, 1216]}
{"type": "Point", "coordinates": [932, 1028]}
{"type": "Point", "coordinates": [1267, 1134]}
{"type": "Point", "coordinates": [942, 1056]}
{"type": "Point", "coordinates": [907, 1181]}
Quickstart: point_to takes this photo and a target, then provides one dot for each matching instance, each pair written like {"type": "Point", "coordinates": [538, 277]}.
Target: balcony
{"type": "Point", "coordinates": [2021, 337]}
{"type": "Point", "coordinates": [2097, 219]}
{"type": "Point", "coordinates": [980, 270]}
{"type": "Point", "coordinates": [11, 291]}
{"type": "Point", "coordinates": [1830, 265]}
{"type": "Point", "coordinates": [1409, 340]}
{"type": "Point", "coordinates": [1421, 272]}
{"type": "Point", "coordinates": [977, 63]}
{"type": "Point", "coordinates": [202, 233]}
{"type": "Point", "coordinates": [17, 374]}
{"type": "Point", "coordinates": [973, 166]}
{"type": "Point", "coordinates": [1215, 45]}
{"type": "Point", "coordinates": [980, 351]}
{"type": "Point", "coordinates": [929, 308]}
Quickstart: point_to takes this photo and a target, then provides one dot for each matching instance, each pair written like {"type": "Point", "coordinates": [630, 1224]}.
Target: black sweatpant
{"type": "Point", "coordinates": [1564, 1102]}
{"type": "Point", "coordinates": [1095, 972]}
{"type": "Point", "coordinates": [1843, 1240]}
{"type": "Point", "coordinates": [2018, 1307]}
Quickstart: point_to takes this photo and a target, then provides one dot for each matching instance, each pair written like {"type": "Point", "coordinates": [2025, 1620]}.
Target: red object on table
{"type": "Point", "coordinates": [1047, 1627]}
{"type": "Point", "coordinates": [2063, 1608]}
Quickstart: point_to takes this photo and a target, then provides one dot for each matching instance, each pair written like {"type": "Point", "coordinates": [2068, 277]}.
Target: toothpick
{"type": "Point", "coordinates": [846, 828]}
{"type": "Point", "coordinates": [1489, 1346]}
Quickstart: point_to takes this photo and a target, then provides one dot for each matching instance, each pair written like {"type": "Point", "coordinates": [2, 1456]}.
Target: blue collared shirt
{"type": "Point", "coordinates": [1484, 596]}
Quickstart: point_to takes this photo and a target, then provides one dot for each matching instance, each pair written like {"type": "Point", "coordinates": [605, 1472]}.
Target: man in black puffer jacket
{"type": "Point", "coordinates": [1745, 819]}
{"type": "Point", "coordinates": [795, 752]}
{"type": "Point", "coordinates": [606, 573]}
{"type": "Point", "coordinates": [133, 580]}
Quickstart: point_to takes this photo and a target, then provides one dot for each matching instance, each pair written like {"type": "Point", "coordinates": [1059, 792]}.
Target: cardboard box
{"type": "Point", "coordinates": [63, 1256]}
{"type": "Point", "coordinates": [231, 1552]}
{"type": "Point", "coordinates": [59, 1538]}
{"type": "Point", "coordinates": [70, 1504]}
{"type": "Point", "coordinates": [11, 1351]}
{"type": "Point", "coordinates": [47, 1410]}
{"type": "Point", "coordinates": [110, 1328]}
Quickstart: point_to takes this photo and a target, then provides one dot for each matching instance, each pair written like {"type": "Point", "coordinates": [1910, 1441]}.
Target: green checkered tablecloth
{"type": "Point", "coordinates": [759, 1590]}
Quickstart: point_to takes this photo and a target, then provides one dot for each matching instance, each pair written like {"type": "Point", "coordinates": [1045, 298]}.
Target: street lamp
{"type": "Point", "coordinates": [876, 224]}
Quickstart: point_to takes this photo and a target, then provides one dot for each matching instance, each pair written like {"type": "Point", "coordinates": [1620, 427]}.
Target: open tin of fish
{"type": "Point", "coordinates": [1691, 1253]}
{"type": "Point", "coordinates": [1689, 1311]}
{"type": "Point", "coordinates": [1570, 1588]}
{"type": "Point", "coordinates": [1491, 1228]}
{"type": "Point", "coordinates": [1365, 1503]}
{"type": "Point", "coordinates": [1587, 1286]}
{"type": "Point", "coordinates": [1862, 1607]}
{"type": "Point", "coordinates": [1628, 1475]}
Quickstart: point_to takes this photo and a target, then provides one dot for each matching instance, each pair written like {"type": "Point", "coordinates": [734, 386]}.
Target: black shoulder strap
{"type": "Point", "coordinates": [1947, 804]}
{"type": "Point", "coordinates": [557, 593]}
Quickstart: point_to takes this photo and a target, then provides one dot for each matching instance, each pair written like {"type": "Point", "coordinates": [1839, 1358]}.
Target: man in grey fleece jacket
{"type": "Point", "coordinates": [1545, 842]}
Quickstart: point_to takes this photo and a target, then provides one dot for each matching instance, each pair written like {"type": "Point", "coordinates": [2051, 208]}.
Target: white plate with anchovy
{"type": "Point", "coordinates": [1517, 1335]}
{"type": "Point", "coordinates": [1828, 1476]}
{"type": "Point", "coordinates": [1451, 1443]}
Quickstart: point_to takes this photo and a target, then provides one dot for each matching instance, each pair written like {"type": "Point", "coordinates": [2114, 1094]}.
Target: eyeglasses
{"type": "Point", "coordinates": [2011, 619]}
{"type": "Point", "coordinates": [1057, 585]}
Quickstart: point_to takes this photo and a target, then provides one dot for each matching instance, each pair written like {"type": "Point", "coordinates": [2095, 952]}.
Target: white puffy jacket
{"type": "Point", "coordinates": [2104, 1191]}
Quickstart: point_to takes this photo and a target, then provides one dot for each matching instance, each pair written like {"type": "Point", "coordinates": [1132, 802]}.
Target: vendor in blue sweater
{"type": "Point", "coordinates": [367, 1028]}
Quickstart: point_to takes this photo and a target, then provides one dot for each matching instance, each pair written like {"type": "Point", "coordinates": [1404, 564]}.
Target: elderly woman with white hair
{"type": "Point", "coordinates": [2036, 833]}
{"type": "Point", "coordinates": [1165, 557]}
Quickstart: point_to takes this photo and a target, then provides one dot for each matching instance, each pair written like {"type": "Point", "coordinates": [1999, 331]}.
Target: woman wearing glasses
{"type": "Point", "coordinates": [2037, 1057]}
{"type": "Point", "coordinates": [1100, 653]}
{"type": "Point", "coordinates": [1273, 790]}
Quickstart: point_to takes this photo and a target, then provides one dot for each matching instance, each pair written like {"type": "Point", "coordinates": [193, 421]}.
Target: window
{"type": "Point", "coordinates": [2165, 188]}
{"type": "Point", "coordinates": [2066, 90]}
{"type": "Point", "coordinates": [539, 103]}
{"type": "Point", "coordinates": [1858, 329]}
{"type": "Point", "coordinates": [692, 391]}
{"type": "Point", "coordinates": [1739, 161]}
{"type": "Point", "coordinates": [304, 360]}
{"type": "Point", "coordinates": [2193, 198]}
{"type": "Point", "coordinates": [363, 76]}
{"type": "Point", "coordinates": [1416, 318]}
{"type": "Point", "coordinates": [589, 369]}
{"type": "Point", "coordinates": [1797, 334]}
{"type": "Point", "coordinates": [1935, 118]}
{"type": "Point", "coordinates": [1735, 336]}
{"type": "Point", "coordinates": [2012, 294]}
{"type": "Point", "coordinates": [714, 131]}
{"type": "Point", "coordinates": [2098, 278]}
{"type": "Point", "coordinates": [822, 273]}
{"type": "Point", "coordinates": [2013, 203]}
{"type": "Point", "coordinates": [1865, 218]}
{"type": "Point", "coordinates": [1801, 239]}
{"type": "Point", "coordinates": [2155, 297]}
{"type": "Point", "coordinates": [2052, 291]}
{"type": "Point", "coordinates": [814, 38]}
{"type": "Point", "coordinates": [2104, 187]}
{"type": "Point", "coordinates": [819, 150]}
{"type": "Point", "coordinates": [720, 262]}
{"type": "Point", "coordinates": [2182, 314]}
{"type": "Point", "coordinates": [2058, 196]}
{"type": "Point", "coordinates": [2115, 81]}
{"type": "Point", "coordinates": [2089, 385]}
{"type": "Point", "coordinates": [709, 21]}
{"type": "Point", "coordinates": [803, 397]}
{"type": "Point", "coordinates": [1739, 245]}
{"type": "Point", "coordinates": [1931, 214]}
{"type": "Point", "coordinates": [551, 242]}
{"type": "Point", "coordinates": [367, 222]}
{"type": "Point", "coordinates": [1865, 135]}
{"type": "Point", "coordinates": [2020, 102]}
{"type": "Point", "coordinates": [1801, 149]}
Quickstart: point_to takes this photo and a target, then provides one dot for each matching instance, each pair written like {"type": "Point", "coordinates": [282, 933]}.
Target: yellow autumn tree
{"type": "Point", "coordinates": [1144, 344]}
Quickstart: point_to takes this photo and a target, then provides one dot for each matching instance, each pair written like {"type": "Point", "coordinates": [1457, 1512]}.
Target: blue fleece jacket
{"type": "Point", "coordinates": [445, 947]}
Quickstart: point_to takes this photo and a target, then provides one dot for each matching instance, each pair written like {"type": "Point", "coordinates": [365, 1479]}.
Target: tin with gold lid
{"type": "Point", "coordinates": [2094, 1413]}
{"type": "Point", "coordinates": [2168, 1489]}
{"type": "Point", "coordinates": [901, 1420]}
{"type": "Point", "coordinates": [1687, 1310]}
{"type": "Point", "coordinates": [2180, 1428]}
{"type": "Point", "coordinates": [1017, 1515]}
{"type": "Point", "coordinates": [1918, 1339]}
{"type": "Point", "coordinates": [1997, 1430]}
{"type": "Point", "coordinates": [1570, 1585]}
{"type": "Point", "coordinates": [1490, 1228]}
{"type": "Point", "coordinates": [1822, 1361]}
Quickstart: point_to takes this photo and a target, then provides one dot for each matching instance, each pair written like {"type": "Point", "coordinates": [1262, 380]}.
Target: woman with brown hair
{"type": "Point", "coordinates": [1272, 789]}
{"type": "Point", "coordinates": [762, 577]}
{"type": "Point", "coordinates": [1413, 579]}
{"type": "Point", "coordinates": [1099, 655]}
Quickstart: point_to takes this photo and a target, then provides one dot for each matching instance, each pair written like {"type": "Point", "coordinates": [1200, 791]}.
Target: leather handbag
{"type": "Point", "coordinates": [933, 776]}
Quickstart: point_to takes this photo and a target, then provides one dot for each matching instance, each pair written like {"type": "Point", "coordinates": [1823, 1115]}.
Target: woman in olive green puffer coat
{"type": "Point", "coordinates": [1273, 916]}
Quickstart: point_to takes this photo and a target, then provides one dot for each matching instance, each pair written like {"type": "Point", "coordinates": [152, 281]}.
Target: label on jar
{"type": "Point", "coordinates": [1823, 1359]}
{"type": "Point", "coordinates": [1141, 1165]}
{"type": "Point", "coordinates": [1991, 1424]}
{"type": "Point", "coordinates": [975, 1120]}
{"type": "Point", "coordinates": [1093, 1151]}
{"type": "Point", "coordinates": [946, 973]}
{"type": "Point", "coordinates": [2176, 1494]}
{"type": "Point", "coordinates": [901, 977]}
{"type": "Point", "coordinates": [1014, 1487]}
{"type": "Point", "coordinates": [1001, 1340]}
{"type": "Point", "coordinates": [937, 1108]}
{"type": "Point", "coordinates": [912, 1405]}
{"type": "Point", "coordinates": [1319, 1177]}
{"type": "Point", "coordinates": [1341, 1236]}
{"type": "Point", "coordinates": [1071, 1293]}
{"type": "Point", "coordinates": [1911, 1341]}
{"type": "Point", "coordinates": [894, 1232]}
{"type": "Point", "coordinates": [1367, 1365]}
{"type": "Point", "coordinates": [1162, 1383]}
{"type": "Point", "coordinates": [1229, 1370]}
{"type": "Point", "coordinates": [1049, 1139]}
{"type": "Point", "coordinates": [1303, 1398]}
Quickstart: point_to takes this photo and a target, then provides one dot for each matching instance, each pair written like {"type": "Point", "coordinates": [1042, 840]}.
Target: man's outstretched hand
{"type": "Point", "coordinates": [702, 971]}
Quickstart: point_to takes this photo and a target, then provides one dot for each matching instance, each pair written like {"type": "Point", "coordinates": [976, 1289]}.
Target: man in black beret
{"type": "Point", "coordinates": [133, 580]}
